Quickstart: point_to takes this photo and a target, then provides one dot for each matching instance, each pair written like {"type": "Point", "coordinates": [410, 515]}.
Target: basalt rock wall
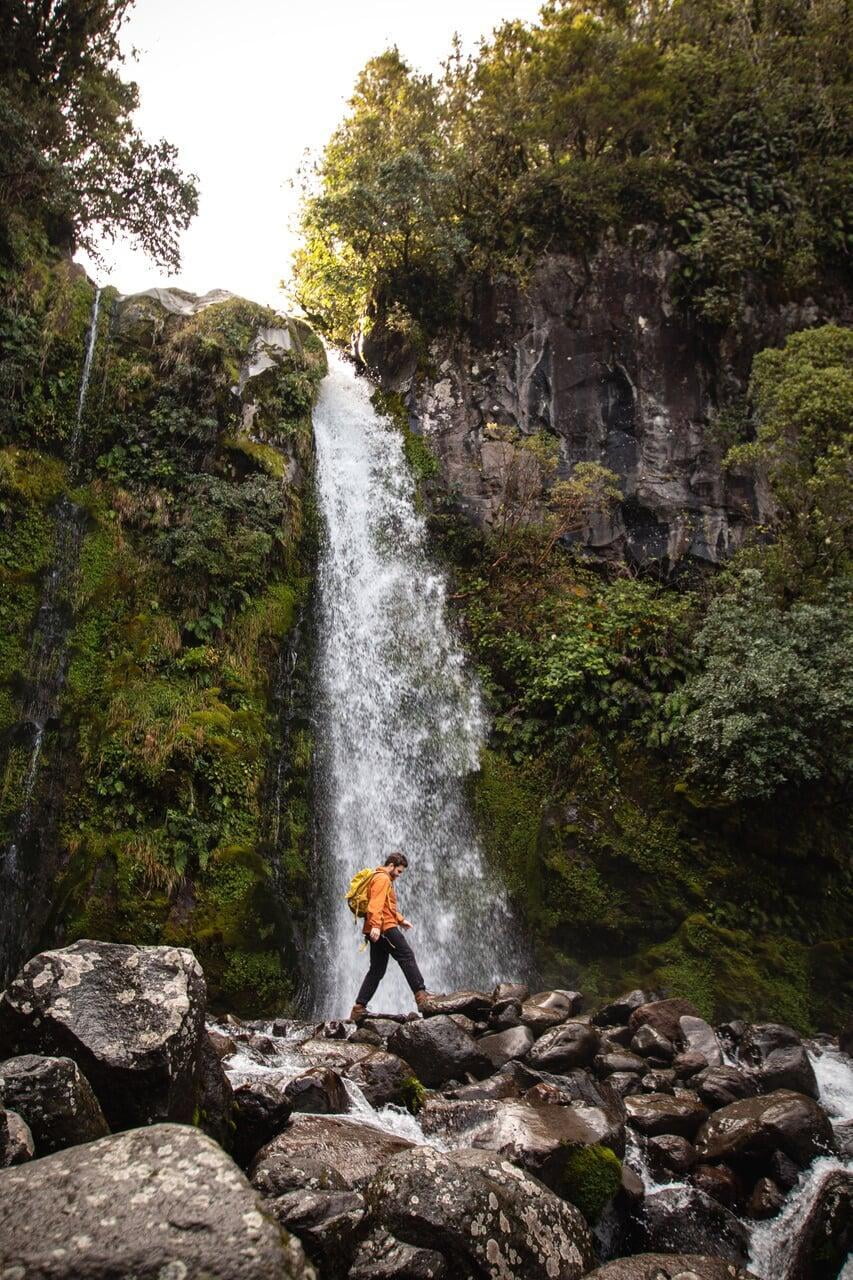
{"type": "Point", "coordinates": [599, 352]}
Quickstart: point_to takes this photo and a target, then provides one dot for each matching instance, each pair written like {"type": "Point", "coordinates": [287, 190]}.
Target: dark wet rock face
{"type": "Point", "coordinates": [663, 1016]}
{"type": "Point", "coordinates": [670, 1266]}
{"type": "Point", "coordinates": [826, 1240]}
{"type": "Point", "coordinates": [261, 1110]}
{"type": "Point", "coordinates": [381, 1257]}
{"type": "Point", "coordinates": [16, 1141]}
{"type": "Point", "coordinates": [163, 1201]}
{"type": "Point", "coordinates": [130, 1017]}
{"type": "Point", "coordinates": [348, 1150]}
{"type": "Point", "coordinates": [686, 1220]}
{"type": "Point", "coordinates": [319, 1091]}
{"type": "Point", "coordinates": [489, 1215]}
{"type": "Point", "coordinates": [720, 1086]}
{"type": "Point", "coordinates": [779, 1058]}
{"type": "Point", "coordinates": [657, 1113]}
{"type": "Point", "coordinates": [573, 1044]}
{"type": "Point", "coordinates": [438, 1050]}
{"type": "Point", "coordinates": [54, 1098]}
{"type": "Point", "coordinates": [756, 1127]}
{"type": "Point", "coordinates": [326, 1223]}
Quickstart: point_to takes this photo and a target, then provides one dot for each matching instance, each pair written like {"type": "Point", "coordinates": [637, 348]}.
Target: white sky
{"type": "Point", "coordinates": [243, 89]}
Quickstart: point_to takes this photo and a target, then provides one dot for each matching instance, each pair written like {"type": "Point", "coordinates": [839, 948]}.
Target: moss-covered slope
{"type": "Point", "coordinates": [171, 754]}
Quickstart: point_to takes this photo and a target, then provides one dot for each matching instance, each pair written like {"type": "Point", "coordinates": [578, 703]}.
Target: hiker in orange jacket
{"type": "Point", "coordinates": [384, 927]}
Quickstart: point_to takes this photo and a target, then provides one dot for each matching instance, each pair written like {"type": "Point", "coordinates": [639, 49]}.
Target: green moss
{"type": "Point", "coordinates": [256, 980]}
{"type": "Point", "coordinates": [590, 1179]}
{"type": "Point", "coordinates": [413, 1094]}
{"type": "Point", "coordinates": [263, 456]}
{"type": "Point", "coordinates": [31, 476]}
{"type": "Point", "coordinates": [509, 801]}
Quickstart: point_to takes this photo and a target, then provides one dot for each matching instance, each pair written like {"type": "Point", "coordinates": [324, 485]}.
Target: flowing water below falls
{"type": "Point", "coordinates": [400, 721]}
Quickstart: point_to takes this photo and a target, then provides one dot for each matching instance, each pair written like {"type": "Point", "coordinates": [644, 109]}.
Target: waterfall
{"type": "Point", "coordinates": [22, 873]}
{"type": "Point", "coordinates": [400, 722]}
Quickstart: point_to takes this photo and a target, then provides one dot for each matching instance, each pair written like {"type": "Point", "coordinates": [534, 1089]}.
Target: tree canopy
{"type": "Point", "coordinates": [726, 123]}
{"type": "Point", "coordinates": [71, 159]}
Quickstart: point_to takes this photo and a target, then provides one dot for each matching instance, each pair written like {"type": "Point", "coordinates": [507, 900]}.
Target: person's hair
{"type": "Point", "coordinates": [396, 860]}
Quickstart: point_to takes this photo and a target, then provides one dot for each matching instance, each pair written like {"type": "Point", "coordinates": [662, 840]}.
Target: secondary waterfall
{"type": "Point", "coordinates": [400, 721]}
{"type": "Point", "coordinates": [22, 873]}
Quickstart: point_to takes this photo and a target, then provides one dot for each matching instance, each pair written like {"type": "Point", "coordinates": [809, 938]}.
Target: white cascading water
{"type": "Point", "coordinates": [401, 722]}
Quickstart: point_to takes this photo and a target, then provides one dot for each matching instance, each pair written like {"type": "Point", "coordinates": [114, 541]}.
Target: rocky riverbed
{"type": "Point", "coordinates": [505, 1134]}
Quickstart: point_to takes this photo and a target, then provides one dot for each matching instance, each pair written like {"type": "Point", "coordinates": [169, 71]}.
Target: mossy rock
{"type": "Point", "coordinates": [590, 1179]}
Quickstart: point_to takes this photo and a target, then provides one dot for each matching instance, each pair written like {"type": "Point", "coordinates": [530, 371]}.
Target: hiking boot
{"type": "Point", "coordinates": [358, 1013]}
{"type": "Point", "coordinates": [423, 998]}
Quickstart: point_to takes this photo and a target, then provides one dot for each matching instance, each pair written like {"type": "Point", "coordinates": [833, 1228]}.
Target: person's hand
{"type": "Point", "coordinates": [406, 924]}
{"type": "Point", "coordinates": [375, 935]}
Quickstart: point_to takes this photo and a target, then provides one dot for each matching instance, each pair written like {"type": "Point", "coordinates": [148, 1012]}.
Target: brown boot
{"type": "Point", "coordinates": [423, 998]}
{"type": "Point", "coordinates": [358, 1013]}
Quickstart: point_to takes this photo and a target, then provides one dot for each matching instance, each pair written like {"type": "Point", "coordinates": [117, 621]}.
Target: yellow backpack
{"type": "Point", "coordinates": [358, 893]}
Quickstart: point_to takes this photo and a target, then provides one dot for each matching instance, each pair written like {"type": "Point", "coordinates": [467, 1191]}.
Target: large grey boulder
{"type": "Point", "coordinates": [658, 1113]}
{"type": "Point", "coordinates": [131, 1018]}
{"type": "Point", "coordinates": [504, 1046]}
{"type": "Point", "coordinates": [381, 1077]}
{"type": "Point", "coordinates": [779, 1058]}
{"type": "Point", "coordinates": [319, 1091]}
{"type": "Point", "coordinates": [437, 1049]}
{"type": "Point", "coordinates": [720, 1086]}
{"type": "Point", "coordinates": [491, 1217]}
{"type": "Point", "coordinates": [348, 1150]}
{"type": "Point", "coordinates": [699, 1037]}
{"type": "Point", "coordinates": [541, 1138]}
{"type": "Point", "coordinates": [574, 1044]}
{"type": "Point", "coordinates": [756, 1127]}
{"type": "Point", "coordinates": [54, 1098]}
{"type": "Point", "coordinates": [159, 1202]}
{"type": "Point", "coordinates": [685, 1220]}
{"type": "Point", "coordinates": [381, 1257]}
{"type": "Point", "coordinates": [670, 1266]}
{"type": "Point", "coordinates": [326, 1223]}
{"type": "Point", "coordinates": [16, 1141]}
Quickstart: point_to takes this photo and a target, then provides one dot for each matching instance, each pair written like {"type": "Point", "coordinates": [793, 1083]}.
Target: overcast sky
{"type": "Point", "coordinates": [243, 87]}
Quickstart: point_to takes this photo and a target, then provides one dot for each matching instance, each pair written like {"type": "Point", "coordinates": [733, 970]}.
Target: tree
{"type": "Point", "coordinates": [802, 397]}
{"type": "Point", "coordinates": [772, 703]}
{"type": "Point", "coordinates": [71, 158]}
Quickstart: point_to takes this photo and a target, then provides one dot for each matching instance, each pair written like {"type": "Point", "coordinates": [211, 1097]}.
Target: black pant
{"type": "Point", "coordinates": [391, 943]}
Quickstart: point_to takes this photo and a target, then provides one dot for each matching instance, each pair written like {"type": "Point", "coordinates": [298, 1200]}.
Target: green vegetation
{"type": "Point", "coordinates": [723, 124]}
{"type": "Point", "coordinates": [591, 1178]}
{"type": "Point", "coordinates": [413, 1094]}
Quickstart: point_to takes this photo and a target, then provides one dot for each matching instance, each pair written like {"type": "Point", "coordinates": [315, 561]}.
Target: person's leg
{"type": "Point", "coordinates": [378, 964]}
{"type": "Point", "coordinates": [405, 957]}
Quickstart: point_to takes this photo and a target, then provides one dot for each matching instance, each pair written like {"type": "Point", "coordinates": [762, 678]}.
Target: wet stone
{"type": "Point", "coordinates": [54, 1098]}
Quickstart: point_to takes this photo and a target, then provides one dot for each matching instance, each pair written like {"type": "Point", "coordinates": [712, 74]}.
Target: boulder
{"type": "Point", "coordinates": [326, 1223]}
{"type": "Point", "coordinates": [566, 1002]}
{"type": "Point", "coordinates": [222, 1044]}
{"type": "Point", "coordinates": [16, 1141]}
{"type": "Point", "coordinates": [510, 991]}
{"type": "Point", "coordinates": [717, 1181]}
{"type": "Point", "coordinates": [338, 1055]}
{"type": "Point", "coordinates": [261, 1110]}
{"type": "Point", "coordinates": [132, 1019]}
{"type": "Point", "coordinates": [381, 1257]}
{"type": "Point", "coordinates": [720, 1086]}
{"type": "Point", "coordinates": [437, 1050]}
{"type": "Point", "coordinates": [215, 1095]}
{"type": "Point", "coordinates": [320, 1091]}
{"type": "Point", "coordinates": [606, 1064]}
{"type": "Point", "coordinates": [503, 1084]}
{"type": "Point", "coordinates": [574, 1044]}
{"type": "Point", "coordinates": [651, 1044]}
{"type": "Point", "coordinates": [620, 1009]}
{"type": "Point", "coordinates": [686, 1220]}
{"type": "Point", "coordinates": [540, 1018]}
{"type": "Point", "coordinates": [664, 1016]}
{"type": "Point", "coordinates": [505, 1014]}
{"type": "Point", "coordinates": [825, 1241]}
{"type": "Point", "coordinates": [350, 1150]}
{"type": "Point", "coordinates": [484, 1212]}
{"type": "Point", "coordinates": [756, 1127]}
{"type": "Point", "coordinates": [658, 1082]}
{"type": "Point", "coordinates": [698, 1037]}
{"type": "Point", "coordinates": [658, 1113]}
{"type": "Point", "coordinates": [783, 1171]}
{"type": "Point", "coordinates": [688, 1064]}
{"type": "Point", "coordinates": [54, 1098]}
{"type": "Point", "coordinates": [670, 1266]}
{"type": "Point", "coordinates": [503, 1046]}
{"type": "Point", "coordinates": [540, 1138]}
{"type": "Point", "coordinates": [381, 1077]}
{"type": "Point", "coordinates": [670, 1156]}
{"type": "Point", "coordinates": [476, 1005]}
{"type": "Point", "coordinates": [163, 1201]}
{"type": "Point", "coordinates": [765, 1200]}
{"type": "Point", "coordinates": [778, 1055]}
{"type": "Point", "coordinates": [624, 1083]}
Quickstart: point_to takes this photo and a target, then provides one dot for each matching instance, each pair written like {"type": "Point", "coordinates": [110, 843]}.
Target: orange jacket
{"type": "Point", "coordinates": [382, 910]}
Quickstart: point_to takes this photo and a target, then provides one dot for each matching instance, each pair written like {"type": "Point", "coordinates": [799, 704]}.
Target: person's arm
{"type": "Point", "coordinates": [379, 888]}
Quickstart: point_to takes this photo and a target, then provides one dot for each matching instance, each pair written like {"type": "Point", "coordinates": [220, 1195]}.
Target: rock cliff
{"type": "Point", "coordinates": [598, 352]}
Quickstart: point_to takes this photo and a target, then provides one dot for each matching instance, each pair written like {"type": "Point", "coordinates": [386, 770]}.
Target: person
{"type": "Point", "coordinates": [384, 925]}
